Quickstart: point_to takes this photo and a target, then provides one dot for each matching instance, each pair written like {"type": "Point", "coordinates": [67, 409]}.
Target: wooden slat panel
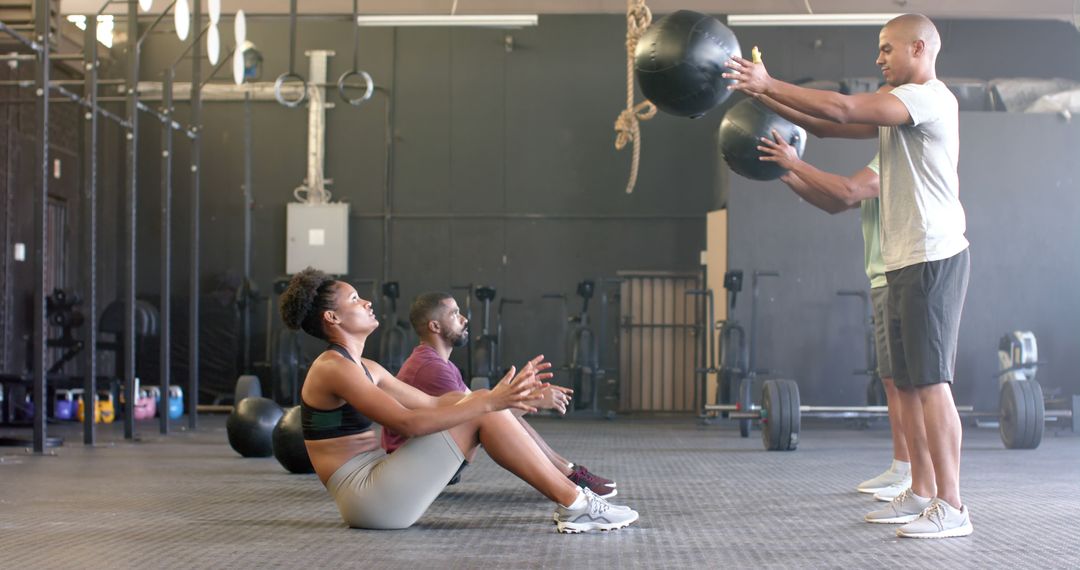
{"type": "Point", "coordinates": [657, 344]}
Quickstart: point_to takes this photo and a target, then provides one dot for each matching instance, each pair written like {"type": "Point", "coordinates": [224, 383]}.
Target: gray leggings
{"type": "Point", "coordinates": [379, 491]}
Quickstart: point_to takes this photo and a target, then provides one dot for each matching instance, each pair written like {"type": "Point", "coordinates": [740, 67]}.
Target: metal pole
{"type": "Point", "coordinates": [54, 82]}
{"type": "Point", "coordinates": [166, 253]}
{"type": "Point", "coordinates": [130, 217]}
{"type": "Point", "coordinates": [36, 46]}
{"type": "Point", "coordinates": [193, 239]}
{"type": "Point", "coordinates": [752, 368]}
{"type": "Point", "coordinates": [388, 194]}
{"type": "Point", "coordinates": [90, 64]}
{"type": "Point", "coordinates": [161, 16]}
{"type": "Point", "coordinates": [41, 29]}
{"type": "Point", "coordinates": [248, 201]}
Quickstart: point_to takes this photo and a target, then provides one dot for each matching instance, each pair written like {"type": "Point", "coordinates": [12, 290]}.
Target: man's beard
{"type": "Point", "coordinates": [460, 340]}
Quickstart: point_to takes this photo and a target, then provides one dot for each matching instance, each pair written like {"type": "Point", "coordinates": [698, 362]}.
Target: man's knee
{"type": "Point", "coordinates": [934, 392]}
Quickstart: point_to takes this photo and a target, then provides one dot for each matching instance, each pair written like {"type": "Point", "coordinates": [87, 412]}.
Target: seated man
{"type": "Point", "coordinates": [441, 327]}
{"type": "Point", "coordinates": [344, 396]}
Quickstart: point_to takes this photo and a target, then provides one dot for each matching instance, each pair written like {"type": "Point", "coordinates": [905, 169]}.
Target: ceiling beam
{"type": "Point", "coordinates": [963, 9]}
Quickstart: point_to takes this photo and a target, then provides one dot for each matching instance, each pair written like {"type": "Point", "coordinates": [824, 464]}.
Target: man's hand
{"type": "Point", "coordinates": [750, 78]}
{"type": "Point", "coordinates": [515, 391]}
{"type": "Point", "coordinates": [554, 398]}
{"type": "Point", "coordinates": [779, 151]}
{"type": "Point", "coordinates": [536, 367]}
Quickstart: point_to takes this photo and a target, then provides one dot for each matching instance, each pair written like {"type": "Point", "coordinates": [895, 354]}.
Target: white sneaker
{"type": "Point", "coordinates": [886, 479]}
{"type": "Point", "coordinates": [893, 491]}
{"type": "Point", "coordinates": [555, 515]}
{"type": "Point", "coordinates": [939, 520]}
{"type": "Point", "coordinates": [594, 514]}
{"type": "Point", "coordinates": [906, 507]}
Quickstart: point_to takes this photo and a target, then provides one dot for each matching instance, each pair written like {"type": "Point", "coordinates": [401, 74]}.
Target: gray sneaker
{"type": "Point", "coordinates": [555, 515]}
{"type": "Point", "coordinates": [596, 514]}
{"type": "Point", "coordinates": [892, 491]}
{"type": "Point", "coordinates": [906, 507]}
{"type": "Point", "coordinates": [939, 520]}
{"type": "Point", "coordinates": [884, 481]}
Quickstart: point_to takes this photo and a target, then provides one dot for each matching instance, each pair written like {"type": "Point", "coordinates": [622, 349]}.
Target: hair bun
{"type": "Point", "coordinates": [299, 297]}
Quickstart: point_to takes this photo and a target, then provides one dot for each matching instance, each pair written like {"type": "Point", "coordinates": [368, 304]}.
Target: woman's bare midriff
{"type": "Point", "coordinates": [327, 455]}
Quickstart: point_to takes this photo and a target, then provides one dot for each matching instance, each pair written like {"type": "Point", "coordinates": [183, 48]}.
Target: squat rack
{"type": "Point", "coordinates": [44, 86]}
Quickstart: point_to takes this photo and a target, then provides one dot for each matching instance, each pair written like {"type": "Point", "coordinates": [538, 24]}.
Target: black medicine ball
{"type": "Point", "coordinates": [743, 126]}
{"type": "Point", "coordinates": [679, 62]}
{"type": "Point", "coordinates": [288, 443]}
{"type": "Point", "coordinates": [251, 425]}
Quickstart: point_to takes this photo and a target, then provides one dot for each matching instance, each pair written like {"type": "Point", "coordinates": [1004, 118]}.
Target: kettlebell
{"type": "Point", "coordinates": [176, 402]}
{"type": "Point", "coordinates": [145, 406]}
{"type": "Point", "coordinates": [104, 408]}
{"type": "Point", "coordinates": [63, 405]}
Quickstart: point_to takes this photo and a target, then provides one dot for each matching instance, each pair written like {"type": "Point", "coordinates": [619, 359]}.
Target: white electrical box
{"type": "Point", "coordinates": [317, 235]}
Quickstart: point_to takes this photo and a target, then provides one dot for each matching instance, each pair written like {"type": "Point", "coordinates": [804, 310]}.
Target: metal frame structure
{"type": "Point", "coordinates": [41, 46]}
{"type": "Point", "coordinates": [48, 91]}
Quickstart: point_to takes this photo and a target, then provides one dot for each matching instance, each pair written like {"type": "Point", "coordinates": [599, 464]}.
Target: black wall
{"type": "Point", "coordinates": [503, 172]}
{"type": "Point", "coordinates": [1021, 205]}
{"type": "Point", "coordinates": [19, 174]}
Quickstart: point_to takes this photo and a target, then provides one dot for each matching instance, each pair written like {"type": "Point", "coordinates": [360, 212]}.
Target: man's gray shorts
{"type": "Point", "coordinates": [925, 303]}
{"type": "Point", "coordinates": [879, 300]}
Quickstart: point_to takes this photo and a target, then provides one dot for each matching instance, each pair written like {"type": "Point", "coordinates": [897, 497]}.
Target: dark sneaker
{"type": "Point", "coordinates": [582, 477]}
{"type": "Point", "coordinates": [586, 480]}
{"type": "Point", "coordinates": [595, 514]}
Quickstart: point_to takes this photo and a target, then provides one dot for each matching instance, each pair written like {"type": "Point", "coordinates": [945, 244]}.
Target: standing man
{"type": "Point", "coordinates": [923, 246]}
{"type": "Point", "coordinates": [440, 325]}
{"type": "Point", "coordinates": [833, 194]}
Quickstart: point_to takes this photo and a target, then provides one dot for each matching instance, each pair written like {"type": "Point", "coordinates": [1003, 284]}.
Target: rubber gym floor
{"type": "Point", "coordinates": [707, 498]}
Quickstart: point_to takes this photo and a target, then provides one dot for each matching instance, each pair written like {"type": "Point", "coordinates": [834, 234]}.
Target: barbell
{"type": "Point", "coordinates": [1021, 414]}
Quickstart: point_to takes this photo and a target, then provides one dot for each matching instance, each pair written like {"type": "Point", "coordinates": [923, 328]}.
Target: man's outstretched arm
{"type": "Point", "coordinates": [827, 191]}
{"type": "Point", "coordinates": [880, 109]}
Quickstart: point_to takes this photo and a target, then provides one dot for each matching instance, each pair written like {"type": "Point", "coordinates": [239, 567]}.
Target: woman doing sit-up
{"type": "Point", "coordinates": [344, 396]}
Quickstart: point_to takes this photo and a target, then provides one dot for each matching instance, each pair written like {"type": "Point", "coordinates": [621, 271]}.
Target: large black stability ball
{"type": "Point", "coordinates": [251, 425]}
{"type": "Point", "coordinates": [288, 441]}
{"type": "Point", "coordinates": [679, 63]}
{"type": "Point", "coordinates": [740, 132]}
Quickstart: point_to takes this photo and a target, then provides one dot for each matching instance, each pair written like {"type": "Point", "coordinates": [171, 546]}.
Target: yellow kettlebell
{"type": "Point", "coordinates": [105, 410]}
{"type": "Point", "coordinates": [81, 414]}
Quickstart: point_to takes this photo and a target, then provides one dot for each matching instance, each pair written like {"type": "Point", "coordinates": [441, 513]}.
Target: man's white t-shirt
{"type": "Point", "coordinates": [921, 216]}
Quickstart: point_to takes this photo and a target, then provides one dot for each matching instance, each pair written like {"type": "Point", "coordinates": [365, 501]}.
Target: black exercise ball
{"type": "Point", "coordinates": [740, 132]}
{"type": "Point", "coordinates": [288, 440]}
{"type": "Point", "coordinates": [679, 62]}
{"type": "Point", "coordinates": [251, 425]}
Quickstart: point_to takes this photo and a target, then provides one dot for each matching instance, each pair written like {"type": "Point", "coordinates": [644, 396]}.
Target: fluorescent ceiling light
{"type": "Point", "coordinates": [105, 27]}
{"type": "Point", "coordinates": [484, 21]}
{"type": "Point", "coordinates": [809, 19]}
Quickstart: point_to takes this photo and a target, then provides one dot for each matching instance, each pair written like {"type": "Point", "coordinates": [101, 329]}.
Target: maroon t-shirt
{"type": "Point", "coordinates": [426, 371]}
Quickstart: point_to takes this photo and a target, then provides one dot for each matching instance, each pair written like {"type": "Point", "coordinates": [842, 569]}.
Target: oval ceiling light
{"type": "Point", "coordinates": [146, 5]}
{"type": "Point", "coordinates": [238, 65]}
{"type": "Point", "coordinates": [214, 7]}
{"type": "Point", "coordinates": [213, 44]}
{"type": "Point", "coordinates": [182, 19]}
{"type": "Point", "coordinates": [240, 28]}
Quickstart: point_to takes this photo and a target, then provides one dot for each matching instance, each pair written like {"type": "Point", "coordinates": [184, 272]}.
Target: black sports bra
{"type": "Point", "coordinates": [341, 421]}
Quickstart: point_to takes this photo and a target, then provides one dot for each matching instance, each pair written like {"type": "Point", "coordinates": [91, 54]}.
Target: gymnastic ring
{"type": "Point", "coordinates": [280, 83]}
{"type": "Point", "coordinates": [367, 93]}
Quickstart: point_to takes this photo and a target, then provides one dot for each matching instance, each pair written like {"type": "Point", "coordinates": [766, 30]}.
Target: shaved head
{"type": "Point", "coordinates": [915, 27]}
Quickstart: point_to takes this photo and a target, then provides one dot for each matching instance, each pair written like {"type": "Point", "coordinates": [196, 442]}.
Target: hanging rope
{"type": "Point", "coordinates": [627, 125]}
